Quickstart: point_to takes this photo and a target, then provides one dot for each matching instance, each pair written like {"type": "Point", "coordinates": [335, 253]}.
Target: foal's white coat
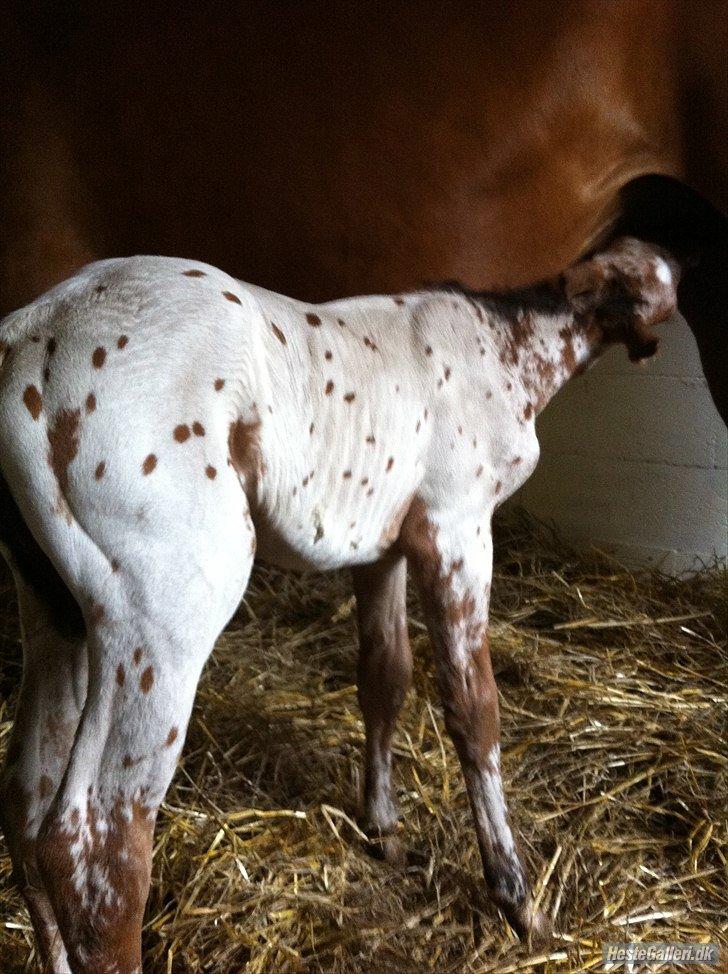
{"type": "Point", "coordinates": [158, 419]}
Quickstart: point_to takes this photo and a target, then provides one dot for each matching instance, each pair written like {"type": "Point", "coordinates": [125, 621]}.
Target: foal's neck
{"type": "Point", "coordinates": [540, 338]}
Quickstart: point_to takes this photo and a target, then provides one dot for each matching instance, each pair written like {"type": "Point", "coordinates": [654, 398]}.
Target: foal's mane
{"type": "Point", "coordinates": [545, 297]}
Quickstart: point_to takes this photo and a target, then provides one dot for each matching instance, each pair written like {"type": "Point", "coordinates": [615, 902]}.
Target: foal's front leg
{"type": "Point", "coordinates": [452, 559]}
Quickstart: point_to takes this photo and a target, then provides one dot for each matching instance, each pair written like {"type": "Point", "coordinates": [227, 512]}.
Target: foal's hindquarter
{"type": "Point", "coordinates": [157, 418]}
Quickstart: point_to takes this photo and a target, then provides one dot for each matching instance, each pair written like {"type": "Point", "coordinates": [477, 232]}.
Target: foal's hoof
{"type": "Point", "coordinates": [531, 925]}
{"type": "Point", "coordinates": [390, 848]}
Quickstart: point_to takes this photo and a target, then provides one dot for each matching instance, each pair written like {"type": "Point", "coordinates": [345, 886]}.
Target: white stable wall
{"type": "Point", "coordinates": [634, 459]}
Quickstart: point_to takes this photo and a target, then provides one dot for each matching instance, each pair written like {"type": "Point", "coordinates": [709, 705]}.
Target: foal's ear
{"type": "Point", "coordinates": [625, 290]}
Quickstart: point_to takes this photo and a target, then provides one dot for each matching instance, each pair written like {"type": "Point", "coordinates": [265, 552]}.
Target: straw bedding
{"type": "Point", "coordinates": [613, 711]}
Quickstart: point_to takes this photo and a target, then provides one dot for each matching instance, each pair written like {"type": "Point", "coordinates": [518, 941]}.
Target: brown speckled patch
{"type": "Point", "coordinates": [33, 401]}
{"type": "Point", "coordinates": [278, 333]}
{"type": "Point", "coordinates": [63, 441]}
{"type": "Point", "coordinates": [146, 680]}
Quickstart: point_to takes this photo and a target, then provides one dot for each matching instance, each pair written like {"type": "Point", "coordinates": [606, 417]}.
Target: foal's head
{"type": "Point", "coordinates": [624, 291]}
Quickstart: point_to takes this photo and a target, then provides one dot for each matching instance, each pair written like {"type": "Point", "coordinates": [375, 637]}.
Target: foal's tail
{"type": "Point", "coordinates": [19, 326]}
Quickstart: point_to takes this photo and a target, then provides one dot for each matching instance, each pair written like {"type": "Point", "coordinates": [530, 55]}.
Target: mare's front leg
{"type": "Point", "coordinates": [384, 675]}
{"type": "Point", "coordinates": [451, 558]}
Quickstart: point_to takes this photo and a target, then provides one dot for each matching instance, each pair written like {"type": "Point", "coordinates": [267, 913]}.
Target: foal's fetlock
{"type": "Point", "coordinates": [512, 894]}
{"type": "Point", "coordinates": [388, 847]}
{"type": "Point", "coordinates": [381, 828]}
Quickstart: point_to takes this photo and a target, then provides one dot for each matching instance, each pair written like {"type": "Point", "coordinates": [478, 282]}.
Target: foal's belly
{"type": "Point", "coordinates": [325, 530]}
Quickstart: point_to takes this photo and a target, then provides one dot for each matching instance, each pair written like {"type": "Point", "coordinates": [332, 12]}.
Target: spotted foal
{"type": "Point", "coordinates": [158, 420]}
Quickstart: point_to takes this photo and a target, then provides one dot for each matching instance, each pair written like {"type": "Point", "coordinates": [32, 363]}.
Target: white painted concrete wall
{"type": "Point", "coordinates": [634, 459]}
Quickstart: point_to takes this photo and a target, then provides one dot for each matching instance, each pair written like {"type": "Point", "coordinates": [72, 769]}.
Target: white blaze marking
{"type": "Point", "coordinates": [664, 274]}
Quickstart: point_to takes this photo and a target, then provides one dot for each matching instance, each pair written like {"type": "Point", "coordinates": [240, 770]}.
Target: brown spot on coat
{"type": "Point", "coordinates": [137, 656]}
{"type": "Point", "coordinates": [244, 449]}
{"type": "Point", "coordinates": [198, 429]}
{"type": "Point", "coordinates": [219, 384]}
{"type": "Point", "coordinates": [99, 357]}
{"type": "Point", "coordinates": [100, 470]}
{"type": "Point", "coordinates": [211, 471]}
{"type": "Point", "coordinates": [313, 319]}
{"type": "Point", "coordinates": [150, 462]}
{"type": "Point", "coordinates": [171, 737]}
{"type": "Point", "coordinates": [347, 474]}
{"type": "Point", "coordinates": [528, 411]}
{"type": "Point", "coordinates": [278, 333]}
{"type": "Point", "coordinates": [122, 342]}
{"type": "Point", "coordinates": [33, 401]}
{"type": "Point", "coordinates": [90, 403]}
{"type": "Point", "coordinates": [194, 272]}
{"type": "Point", "coordinates": [390, 464]}
{"type": "Point", "coordinates": [146, 680]}
{"type": "Point", "coordinates": [229, 296]}
{"type": "Point", "coordinates": [51, 347]}
{"type": "Point", "coordinates": [120, 675]}
{"type": "Point", "coordinates": [63, 440]}
{"type": "Point", "coordinates": [349, 397]}
{"type": "Point", "coordinates": [181, 432]}
{"type": "Point", "coordinates": [370, 439]}
{"type": "Point", "coordinates": [329, 387]}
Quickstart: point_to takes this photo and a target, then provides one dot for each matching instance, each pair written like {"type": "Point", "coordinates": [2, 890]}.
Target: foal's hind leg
{"type": "Point", "coordinates": [384, 676]}
{"type": "Point", "coordinates": [150, 630]}
{"type": "Point", "coordinates": [49, 708]}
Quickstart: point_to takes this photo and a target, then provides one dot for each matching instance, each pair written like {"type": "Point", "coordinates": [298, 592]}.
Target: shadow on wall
{"type": "Point", "coordinates": [634, 460]}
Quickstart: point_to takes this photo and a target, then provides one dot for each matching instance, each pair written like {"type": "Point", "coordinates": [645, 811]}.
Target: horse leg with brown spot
{"type": "Point", "coordinates": [384, 675]}
{"type": "Point", "coordinates": [48, 712]}
{"type": "Point", "coordinates": [453, 569]}
{"type": "Point", "coordinates": [150, 627]}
